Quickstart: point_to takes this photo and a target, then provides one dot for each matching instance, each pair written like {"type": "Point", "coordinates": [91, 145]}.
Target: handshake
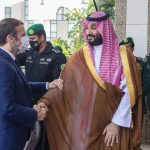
{"type": "Point", "coordinates": [41, 110]}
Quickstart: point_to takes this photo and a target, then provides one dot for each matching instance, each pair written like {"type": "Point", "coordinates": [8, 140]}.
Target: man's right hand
{"type": "Point", "coordinates": [41, 109]}
{"type": "Point", "coordinates": [112, 134]}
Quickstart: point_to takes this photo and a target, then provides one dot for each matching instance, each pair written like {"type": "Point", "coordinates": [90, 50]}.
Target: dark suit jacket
{"type": "Point", "coordinates": [16, 114]}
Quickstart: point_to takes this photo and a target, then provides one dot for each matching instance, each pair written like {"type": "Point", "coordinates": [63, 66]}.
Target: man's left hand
{"type": "Point", "coordinates": [112, 133]}
{"type": "Point", "coordinates": [56, 83]}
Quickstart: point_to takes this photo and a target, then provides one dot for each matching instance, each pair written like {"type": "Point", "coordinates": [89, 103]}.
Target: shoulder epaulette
{"type": "Point", "coordinates": [55, 50]}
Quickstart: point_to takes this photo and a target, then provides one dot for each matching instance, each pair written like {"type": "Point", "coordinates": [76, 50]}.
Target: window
{"type": "Point", "coordinates": [53, 29]}
{"type": "Point", "coordinates": [85, 1]}
{"type": "Point", "coordinates": [7, 12]}
{"type": "Point", "coordinates": [48, 39]}
{"type": "Point", "coordinates": [71, 25]}
{"type": "Point", "coordinates": [61, 13]}
{"type": "Point", "coordinates": [26, 11]}
{"type": "Point", "coordinates": [53, 35]}
{"type": "Point", "coordinates": [30, 22]}
{"type": "Point", "coordinates": [42, 2]}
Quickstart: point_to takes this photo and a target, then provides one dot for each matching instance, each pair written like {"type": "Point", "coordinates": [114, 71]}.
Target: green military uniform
{"type": "Point", "coordinates": [146, 79]}
{"type": "Point", "coordinates": [145, 73]}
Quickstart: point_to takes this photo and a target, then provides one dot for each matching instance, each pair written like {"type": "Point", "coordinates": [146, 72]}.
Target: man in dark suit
{"type": "Point", "coordinates": [17, 116]}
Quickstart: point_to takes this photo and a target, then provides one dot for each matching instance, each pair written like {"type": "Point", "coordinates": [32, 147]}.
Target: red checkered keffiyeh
{"type": "Point", "coordinates": [110, 65]}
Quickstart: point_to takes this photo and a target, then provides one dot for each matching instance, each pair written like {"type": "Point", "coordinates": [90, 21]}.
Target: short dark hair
{"type": "Point", "coordinates": [41, 33]}
{"type": "Point", "coordinates": [132, 45]}
{"type": "Point", "coordinates": [7, 26]}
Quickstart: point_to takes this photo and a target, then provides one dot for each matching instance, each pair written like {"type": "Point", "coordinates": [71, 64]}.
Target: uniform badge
{"type": "Point", "coordinates": [48, 59]}
{"type": "Point", "coordinates": [42, 59]}
{"type": "Point", "coordinates": [56, 51]}
{"type": "Point", "coordinates": [29, 57]}
{"type": "Point", "coordinates": [31, 32]}
{"type": "Point", "coordinates": [125, 40]}
{"type": "Point", "coordinates": [62, 66]}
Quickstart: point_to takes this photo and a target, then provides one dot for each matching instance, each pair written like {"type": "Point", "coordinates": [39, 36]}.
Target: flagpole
{"type": "Point", "coordinates": [95, 5]}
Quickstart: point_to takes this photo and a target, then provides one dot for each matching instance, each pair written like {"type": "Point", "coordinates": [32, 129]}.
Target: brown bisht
{"type": "Point", "coordinates": [79, 113]}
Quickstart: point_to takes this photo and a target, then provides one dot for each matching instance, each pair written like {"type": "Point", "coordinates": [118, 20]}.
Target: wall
{"type": "Point", "coordinates": [137, 24]}
{"type": "Point", "coordinates": [17, 11]}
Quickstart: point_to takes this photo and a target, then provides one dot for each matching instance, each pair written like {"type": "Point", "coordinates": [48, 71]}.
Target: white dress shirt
{"type": "Point", "coordinates": [10, 54]}
{"type": "Point", "coordinates": [122, 116]}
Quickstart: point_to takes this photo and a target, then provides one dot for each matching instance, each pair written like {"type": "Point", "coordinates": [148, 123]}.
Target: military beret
{"type": "Point", "coordinates": [126, 41]}
{"type": "Point", "coordinates": [34, 29]}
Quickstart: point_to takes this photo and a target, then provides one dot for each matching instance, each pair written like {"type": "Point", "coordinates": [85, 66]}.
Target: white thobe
{"type": "Point", "coordinates": [122, 116]}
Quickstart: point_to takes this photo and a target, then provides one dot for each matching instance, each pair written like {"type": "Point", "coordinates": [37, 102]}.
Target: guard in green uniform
{"type": "Point", "coordinates": [129, 43]}
{"type": "Point", "coordinates": [42, 64]}
{"type": "Point", "coordinates": [146, 87]}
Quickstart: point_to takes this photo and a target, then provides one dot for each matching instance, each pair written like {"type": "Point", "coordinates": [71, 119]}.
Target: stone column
{"type": "Point", "coordinates": [120, 17]}
{"type": "Point", "coordinates": [148, 42]}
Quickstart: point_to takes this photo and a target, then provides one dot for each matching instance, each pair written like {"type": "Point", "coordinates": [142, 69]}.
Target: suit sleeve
{"type": "Point", "coordinates": [38, 90]}
{"type": "Point", "coordinates": [9, 108]}
{"type": "Point", "coordinates": [38, 86]}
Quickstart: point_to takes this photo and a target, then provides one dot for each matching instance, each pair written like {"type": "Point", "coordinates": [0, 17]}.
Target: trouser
{"type": "Point", "coordinates": [43, 141]}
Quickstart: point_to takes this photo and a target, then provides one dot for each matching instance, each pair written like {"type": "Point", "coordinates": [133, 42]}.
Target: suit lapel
{"type": "Point", "coordinates": [15, 66]}
{"type": "Point", "coordinates": [18, 69]}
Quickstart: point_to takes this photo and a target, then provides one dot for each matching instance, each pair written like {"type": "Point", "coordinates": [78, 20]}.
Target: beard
{"type": "Point", "coordinates": [95, 40]}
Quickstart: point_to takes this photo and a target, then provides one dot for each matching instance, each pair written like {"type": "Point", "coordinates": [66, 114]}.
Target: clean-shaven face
{"type": "Point", "coordinates": [17, 40]}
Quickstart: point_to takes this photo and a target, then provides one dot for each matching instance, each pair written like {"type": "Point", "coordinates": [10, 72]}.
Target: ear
{"type": "Point", "coordinates": [42, 38]}
{"type": "Point", "coordinates": [9, 38]}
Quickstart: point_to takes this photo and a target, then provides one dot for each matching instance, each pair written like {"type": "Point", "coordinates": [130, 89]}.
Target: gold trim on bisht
{"type": "Point", "coordinates": [92, 69]}
{"type": "Point", "coordinates": [127, 73]}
